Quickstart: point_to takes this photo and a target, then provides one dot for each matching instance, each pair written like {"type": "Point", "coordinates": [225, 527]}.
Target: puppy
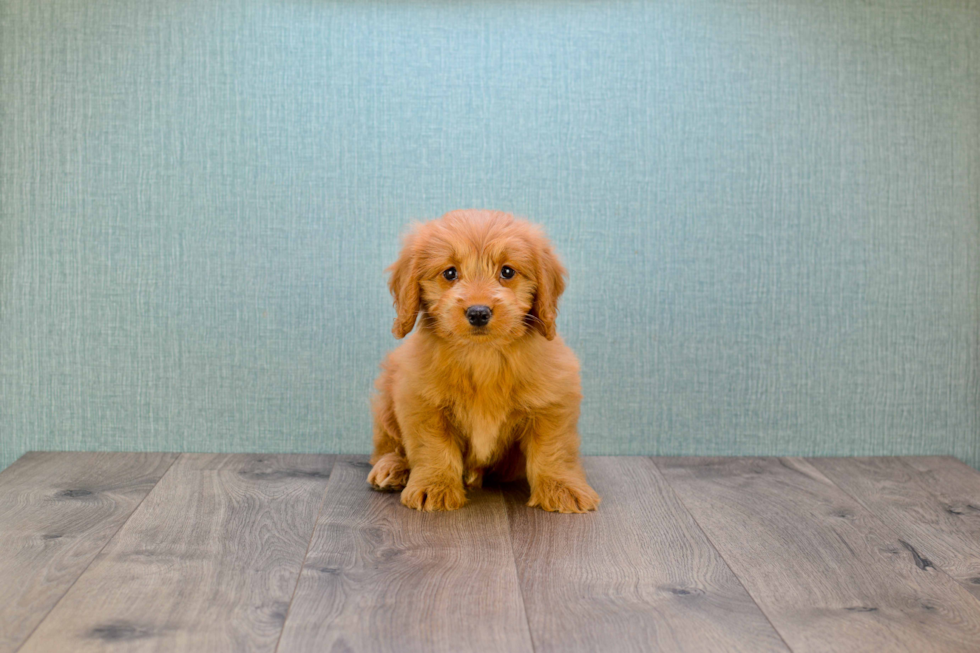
{"type": "Point", "coordinates": [484, 385]}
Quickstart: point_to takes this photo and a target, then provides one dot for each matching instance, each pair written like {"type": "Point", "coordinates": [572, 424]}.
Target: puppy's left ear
{"type": "Point", "coordinates": [404, 287]}
{"type": "Point", "coordinates": [551, 284]}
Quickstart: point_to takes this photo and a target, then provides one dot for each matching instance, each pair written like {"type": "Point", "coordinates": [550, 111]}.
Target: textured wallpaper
{"type": "Point", "coordinates": [770, 211]}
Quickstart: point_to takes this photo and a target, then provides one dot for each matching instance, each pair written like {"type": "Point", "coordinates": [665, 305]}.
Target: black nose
{"type": "Point", "coordinates": [478, 315]}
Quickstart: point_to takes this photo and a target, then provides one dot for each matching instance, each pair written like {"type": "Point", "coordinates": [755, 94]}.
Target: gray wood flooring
{"type": "Point", "coordinates": [295, 553]}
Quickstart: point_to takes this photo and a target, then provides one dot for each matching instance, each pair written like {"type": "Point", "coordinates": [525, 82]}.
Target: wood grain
{"type": "Point", "coordinates": [829, 575]}
{"type": "Point", "coordinates": [57, 511]}
{"type": "Point", "coordinates": [207, 563]}
{"type": "Point", "coordinates": [637, 575]}
{"type": "Point", "coordinates": [935, 508]}
{"type": "Point", "coordinates": [381, 577]}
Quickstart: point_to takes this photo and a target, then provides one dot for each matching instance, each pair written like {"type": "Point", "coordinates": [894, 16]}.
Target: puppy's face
{"type": "Point", "coordinates": [477, 276]}
{"type": "Point", "coordinates": [478, 291]}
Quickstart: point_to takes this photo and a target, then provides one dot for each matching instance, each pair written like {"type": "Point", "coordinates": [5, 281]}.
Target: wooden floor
{"type": "Point", "coordinates": [210, 553]}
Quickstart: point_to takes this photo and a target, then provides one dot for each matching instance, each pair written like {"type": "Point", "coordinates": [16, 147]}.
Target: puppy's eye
{"type": "Point", "coordinates": [507, 272]}
{"type": "Point", "coordinates": [450, 274]}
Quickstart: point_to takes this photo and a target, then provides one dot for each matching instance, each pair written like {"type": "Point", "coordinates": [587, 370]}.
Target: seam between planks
{"type": "Point", "coordinates": [517, 572]}
{"type": "Point", "coordinates": [302, 566]}
{"type": "Point", "coordinates": [711, 543]}
{"type": "Point", "coordinates": [884, 523]}
{"type": "Point", "coordinates": [96, 556]}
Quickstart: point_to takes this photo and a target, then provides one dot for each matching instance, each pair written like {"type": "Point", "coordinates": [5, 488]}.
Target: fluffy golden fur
{"type": "Point", "coordinates": [456, 401]}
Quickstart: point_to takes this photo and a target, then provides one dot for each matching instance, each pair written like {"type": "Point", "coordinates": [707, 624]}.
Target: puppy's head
{"type": "Point", "coordinates": [477, 276]}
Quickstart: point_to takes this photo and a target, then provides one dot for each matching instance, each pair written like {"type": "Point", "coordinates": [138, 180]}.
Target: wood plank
{"type": "Point", "coordinates": [829, 575]}
{"type": "Point", "coordinates": [637, 575]}
{"type": "Point", "coordinates": [207, 563]}
{"type": "Point", "coordinates": [57, 511]}
{"type": "Point", "coordinates": [936, 511]}
{"type": "Point", "coordinates": [381, 577]}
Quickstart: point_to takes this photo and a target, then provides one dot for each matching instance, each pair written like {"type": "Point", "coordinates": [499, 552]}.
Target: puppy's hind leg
{"type": "Point", "coordinates": [473, 479]}
{"type": "Point", "coordinates": [390, 473]}
{"type": "Point", "coordinates": [391, 469]}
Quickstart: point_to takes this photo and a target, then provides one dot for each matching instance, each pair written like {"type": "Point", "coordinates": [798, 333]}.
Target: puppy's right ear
{"type": "Point", "coordinates": [404, 287]}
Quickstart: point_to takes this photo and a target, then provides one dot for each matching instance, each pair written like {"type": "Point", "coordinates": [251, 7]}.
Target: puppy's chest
{"type": "Point", "coordinates": [484, 419]}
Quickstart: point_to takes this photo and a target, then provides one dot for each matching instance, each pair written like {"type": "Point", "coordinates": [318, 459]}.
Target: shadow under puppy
{"type": "Point", "coordinates": [485, 384]}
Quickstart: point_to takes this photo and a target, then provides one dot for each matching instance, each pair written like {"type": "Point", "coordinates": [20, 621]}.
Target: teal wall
{"type": "Point", "coordinates": [770, 210]}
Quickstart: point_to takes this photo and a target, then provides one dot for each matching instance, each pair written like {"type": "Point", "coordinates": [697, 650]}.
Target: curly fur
{"type": "Point", "coordinates": [456, 401]}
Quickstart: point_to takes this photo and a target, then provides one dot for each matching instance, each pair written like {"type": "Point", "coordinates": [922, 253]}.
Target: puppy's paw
{"type": "Point", "coordinates": [390, 473]}
{"type": "Point", "coordinates": [473, 479]}
{"type": "Point", "coordinates": [434, 496]}
{"type": "Point", "coordinates": [564, 495]}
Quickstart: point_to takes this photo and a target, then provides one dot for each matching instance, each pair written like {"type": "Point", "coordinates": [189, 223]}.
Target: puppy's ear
{"type": "Point", "coordinates": [404, 287]}
{"type": "Point", "coordinates": [551, 284]}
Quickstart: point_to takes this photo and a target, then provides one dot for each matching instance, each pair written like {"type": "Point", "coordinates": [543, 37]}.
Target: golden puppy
{"type": "Point", "coordinates": [484, 385]}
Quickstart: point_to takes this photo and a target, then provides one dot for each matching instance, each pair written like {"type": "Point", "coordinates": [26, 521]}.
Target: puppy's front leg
{"type": "Point", "coordinates": [553, 469]}
{"type": "Point", "coordinates": [436, 479]}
